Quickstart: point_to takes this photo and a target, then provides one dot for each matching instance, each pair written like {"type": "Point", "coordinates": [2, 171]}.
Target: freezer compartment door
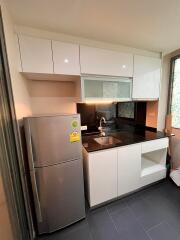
{"type": "Point", "coordinates": [49, 139]}
{"type": "Point", "coordinates": [58, 195]}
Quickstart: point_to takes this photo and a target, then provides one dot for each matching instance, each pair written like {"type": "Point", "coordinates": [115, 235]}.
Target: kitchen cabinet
{"type": "Point", "coordinates": [101, 169]}
{"type": "Point", "coordinates": [146, 79]}
{"type": "Point", "coordinates": [117, 171]}
{"type": "Point", "coordinates": [153, 160]}
{"type": "Point", "coordinates": [36, 54]}
{"type": "Point", "coordinates": [129, 168]}
{"type": "Point", "coordinates": [102, 88]}
{"type": "Point", "coordinates": [105, 62]}
{"type": "Point", "coordinates": [66, 58]}
{"type": "Point", "coordinates": [155, 145]}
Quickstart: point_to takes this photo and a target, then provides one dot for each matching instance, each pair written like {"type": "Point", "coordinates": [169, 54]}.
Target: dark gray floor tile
{"type": "Point", "coordinates": [138, 206]}
{"type": "Point", "coordinates": [78, 231]}
{"type": "Point", "coordinates": [101, 225]}
{"type": "Point", "coordinates": [159, 204]}
{"type": "Point", "coordinates": [163, 231]}
{"type": "Point", "coordinates": [127, 226]}
{"type": "Point", "coordinates": [155, 209]}
{"type": "Point", "coordinates": [135, 232]}
{"type": "Point", "coordinates": [174, 221]}
{"type": "Point", "coordinates": [166, 203]}
{"type": "Point", "coordinates": [164, 192]}
{"type": "Point", "coordinates": [150, 218]}
{"type": "Point", "coordinates": [116, 206]}
{"type": "Point", "coordinates": [123, 219]}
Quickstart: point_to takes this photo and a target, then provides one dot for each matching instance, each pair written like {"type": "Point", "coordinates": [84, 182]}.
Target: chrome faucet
{"type": "Point", "coordinates": [100, 126]}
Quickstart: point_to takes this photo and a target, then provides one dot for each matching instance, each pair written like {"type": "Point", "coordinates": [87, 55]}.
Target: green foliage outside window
{"type": "Point", "coordinates": [175, 101]}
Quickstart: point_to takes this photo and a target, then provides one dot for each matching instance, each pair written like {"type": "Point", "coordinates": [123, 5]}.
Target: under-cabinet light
{"type": "Point", "coordinates": [98, 102]}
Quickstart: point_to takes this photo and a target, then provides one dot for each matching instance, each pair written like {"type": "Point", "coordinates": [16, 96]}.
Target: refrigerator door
{"type": "Point", "coordinates": [50, 139]}
{"type": "Point", "coordinates": [58, 195]}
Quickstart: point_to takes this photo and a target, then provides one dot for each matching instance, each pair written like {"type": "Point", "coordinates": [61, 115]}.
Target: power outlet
{"type": "Point", "coordinates": [83, 128]}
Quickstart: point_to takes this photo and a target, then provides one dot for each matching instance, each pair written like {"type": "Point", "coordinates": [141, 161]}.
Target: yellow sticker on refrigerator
{"type": "Point", "coordinates": [74, 137]}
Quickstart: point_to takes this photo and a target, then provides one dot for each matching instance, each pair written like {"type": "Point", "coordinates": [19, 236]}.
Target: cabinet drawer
{"type": "Point", "coordinates": [154, 145]}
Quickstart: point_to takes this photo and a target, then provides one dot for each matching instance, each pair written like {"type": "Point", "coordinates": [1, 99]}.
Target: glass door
{"type": "Point", "coordinates": [97, 88]}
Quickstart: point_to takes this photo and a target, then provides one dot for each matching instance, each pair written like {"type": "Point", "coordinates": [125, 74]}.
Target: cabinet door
{"type": "Point", "coordinates": [102, 176]}
{"type": "Point", "coordinates": [36, 54]}
{"type": "Point", "coordinates": [66, 58]}
{"type": "Point", "coordinates": [103, 88]}
{"type": "Point", "coordinates": [129, 168]}
{"type": "Point", "coordinates": [105, 62]}
{"type": "Point", "coordinates": [146, 79]}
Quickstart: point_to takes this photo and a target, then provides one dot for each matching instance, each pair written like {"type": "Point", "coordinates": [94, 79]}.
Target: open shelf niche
{"type": "Point", "coordinates": [153, 162]}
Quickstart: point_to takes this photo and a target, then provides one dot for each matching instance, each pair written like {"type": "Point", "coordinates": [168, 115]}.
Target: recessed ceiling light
{"type": "Point", "coordinates": [66, 60]}
{"type": "Point", "coordinates": [124, 66]}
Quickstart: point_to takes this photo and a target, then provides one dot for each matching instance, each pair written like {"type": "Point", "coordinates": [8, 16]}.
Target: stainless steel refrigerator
{"type": "Point", "coordinates": [55, 165]}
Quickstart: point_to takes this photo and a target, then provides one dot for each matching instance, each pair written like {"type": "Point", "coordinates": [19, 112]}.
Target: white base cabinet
{"type": "Point", "coordinates": [101, 169]}
{"type": "Point", "coordinates": [112, 173]}
{"type": "Point", "coordinates": [129, 168]}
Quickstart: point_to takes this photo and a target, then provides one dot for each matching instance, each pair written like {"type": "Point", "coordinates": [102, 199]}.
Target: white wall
{"type": "Point", "coordinates": [5, 225]}
{"type": "Point", "coordinates": [52, 105]}
{"type": "Point", "coordinates": [50, 97]}
{"type": "Point", "coordinates": [21, 96]}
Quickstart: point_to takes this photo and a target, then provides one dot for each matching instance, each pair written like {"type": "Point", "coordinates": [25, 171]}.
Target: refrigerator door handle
{"type": "Point", "coordinates": [36, 196]}
{"type": "Point", "coordinates": [29, 145]}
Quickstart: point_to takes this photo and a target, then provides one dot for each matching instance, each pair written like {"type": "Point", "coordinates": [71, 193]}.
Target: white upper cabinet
{"type": "Point", "coordinates": [36, 54]}
{"type": "Point", "coordinates": [147, 74]}
{"type": "Point", "coordinates": [66, 58]}
{"type": "Point", "coordinates": [105, 62]}
{"type": "Point", "coordinates": [97, 88]}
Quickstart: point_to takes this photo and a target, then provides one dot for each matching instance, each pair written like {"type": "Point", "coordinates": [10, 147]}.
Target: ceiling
{"type": "Point", "coordinates": [147, 24]}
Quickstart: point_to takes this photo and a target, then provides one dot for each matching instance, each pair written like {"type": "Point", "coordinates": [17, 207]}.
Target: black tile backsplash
{"type": "Point", "coordinates": [122, 115]}
{"type": "Point", "coordinates": [91, 114]}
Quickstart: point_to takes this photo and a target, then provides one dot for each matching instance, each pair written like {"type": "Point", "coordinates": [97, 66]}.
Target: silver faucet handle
{"type": "Point", "coordinates": [103, 119]}
{"type": "Point", "coordinates": [100, 128]}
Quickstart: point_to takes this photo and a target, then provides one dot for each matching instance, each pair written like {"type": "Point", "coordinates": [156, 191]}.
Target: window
{"type": "Point", "coordinates": [174, 103]}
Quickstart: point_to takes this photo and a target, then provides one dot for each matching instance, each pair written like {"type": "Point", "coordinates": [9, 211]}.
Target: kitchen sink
{"type": "Point", "coordinates": [109, 140]}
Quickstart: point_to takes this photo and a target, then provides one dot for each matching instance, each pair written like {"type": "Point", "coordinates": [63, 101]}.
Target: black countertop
{"type": "Point", "coordinates": [126, 137]}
